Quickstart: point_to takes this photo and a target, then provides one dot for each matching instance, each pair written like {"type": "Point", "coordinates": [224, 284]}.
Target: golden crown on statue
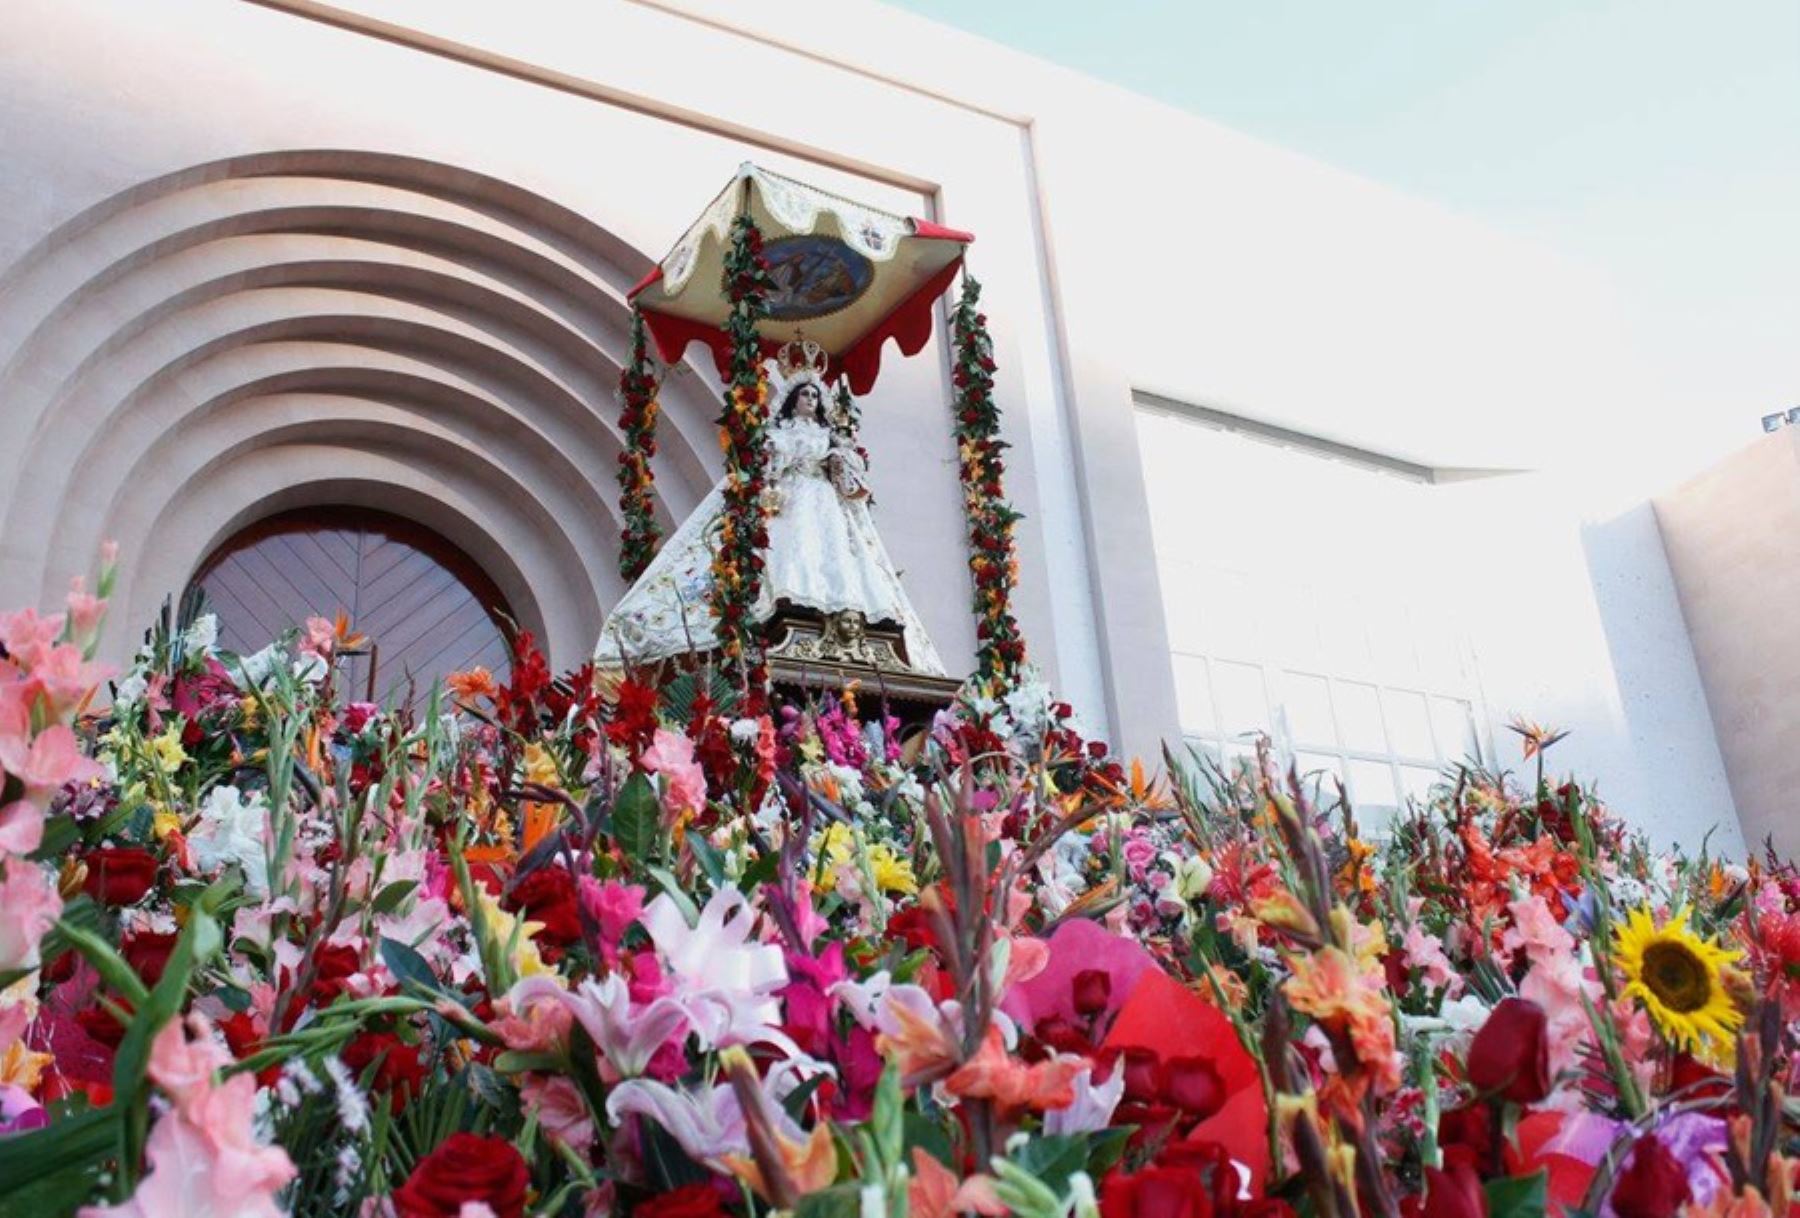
{"type": "Point", "coordinates": [801, 355]}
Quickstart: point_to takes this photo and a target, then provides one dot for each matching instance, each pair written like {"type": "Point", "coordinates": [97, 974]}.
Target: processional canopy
{"type": "Point", "coordinates": [847, 276]}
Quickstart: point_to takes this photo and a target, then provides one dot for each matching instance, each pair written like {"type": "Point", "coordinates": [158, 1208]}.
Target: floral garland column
{"type": "Point", "coordinates": [992, 563]}
{"type": "Point", "coordinates": [638, 533]}
{"type": "Point", "coordinates": [738, 562]}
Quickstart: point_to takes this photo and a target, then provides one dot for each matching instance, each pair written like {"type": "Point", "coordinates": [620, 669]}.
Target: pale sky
{"type": "Point", "coordinates": [1657, 141]}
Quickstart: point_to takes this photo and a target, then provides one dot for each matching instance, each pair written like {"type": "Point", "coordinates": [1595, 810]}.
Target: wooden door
{"type": "Point", "coordinates": [426, 608]}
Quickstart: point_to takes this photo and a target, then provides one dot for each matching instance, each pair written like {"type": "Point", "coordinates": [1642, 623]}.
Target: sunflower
{"type": "Point", "coordinates": [1681, 979]}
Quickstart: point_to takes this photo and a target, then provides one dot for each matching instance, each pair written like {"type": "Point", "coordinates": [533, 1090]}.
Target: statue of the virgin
{"type": "Point", "coordinates": [823, 555]}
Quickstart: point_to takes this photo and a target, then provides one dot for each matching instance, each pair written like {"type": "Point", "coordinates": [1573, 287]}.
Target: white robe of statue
{"type": "Point", "coordinates": [823, 553]}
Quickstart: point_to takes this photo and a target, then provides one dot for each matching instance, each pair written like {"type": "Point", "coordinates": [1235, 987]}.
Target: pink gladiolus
{"type": "Point", "coordinates": [28, 636]}
{"type": "Point", "coordinates": [85, 611]}
{"type": "Point", "coordinates": [561, 1110]}
{"type": "Point", "coordinates": [204, 1159]}
{"type": "Point", "coordinates": [671, 755]}
{"type": "Point", "coordinates": [48, 761]}
{"type": "Point", "coordinates": [28, 895]}
{"type": "Point", "coordinates": [21, 827]}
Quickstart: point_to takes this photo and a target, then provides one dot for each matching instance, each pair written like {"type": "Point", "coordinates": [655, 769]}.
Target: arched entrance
{"type": "Point", "coordinates": [427, 609]}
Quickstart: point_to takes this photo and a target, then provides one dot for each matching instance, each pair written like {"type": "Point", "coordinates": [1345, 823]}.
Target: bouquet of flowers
{"type": "Point", "coordinates": [589, 945]}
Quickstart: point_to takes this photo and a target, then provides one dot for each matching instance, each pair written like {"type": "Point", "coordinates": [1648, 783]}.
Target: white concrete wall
{"type": "Point", "coordinates": [442, 204]}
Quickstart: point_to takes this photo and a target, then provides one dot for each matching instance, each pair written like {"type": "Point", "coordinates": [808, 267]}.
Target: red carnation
{"type": "Point", "coordinates": [467, 1167]}
{"type": "Point", "coordinates": [401, 1073]}
{"type": "Point", "coordinates": [547, 895]}
{"type": "Point", "coordinates": [1653, 1183]}
{"type": "Point", "coordinates": [119, 875]}
{"type": "Point", "coordinates": [1510, 1056]}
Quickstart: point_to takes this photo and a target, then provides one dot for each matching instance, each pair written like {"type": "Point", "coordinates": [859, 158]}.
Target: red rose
{"type": "Point", "coordinates": [1093, 989]}
{"type": "Point", "coordinates": [547, 895]}
{"type": "Point", "coordinates": [1175, 1191]}
{"type": "Point", "coordinates": [1471, 1126]}
{"type": "Point", "coordinates": [1510, 1056]}
{"type": "Point", "coordinates": [1191, 1084]}
{"type": "Point", "coordinates": [401, 1073]}
{"type": "Point", "coordinates": [1653, 1183]}
{"type": "Point", "coordinates": [688, 1201]}
{"type": "Point", "coordinates": [1453, 1192]}
{"type": "Point", "coordinates": [467, 1167]}
{"type": "Point", "coordinates": [148, 952]}
{"type": "Point", "coordinates": [119, 875]}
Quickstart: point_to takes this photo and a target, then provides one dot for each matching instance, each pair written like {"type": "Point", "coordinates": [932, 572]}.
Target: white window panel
{"type": "Point", "coordinates": [1193, 693]}
{"type": "Point", "coordinates": [1359, 717]}
{"type": "Point", "coordinates": [1243, 702]}
{"type": "Point", "coordinates": [1291, 582]}
{"type": "Point", "coordinates": [1306, 707]}
{"type": "Point", "coordinates": [1408, 724]}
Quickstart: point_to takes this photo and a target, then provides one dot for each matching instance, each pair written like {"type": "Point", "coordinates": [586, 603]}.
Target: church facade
{"type": "Point", "coordinates": [303, 301]}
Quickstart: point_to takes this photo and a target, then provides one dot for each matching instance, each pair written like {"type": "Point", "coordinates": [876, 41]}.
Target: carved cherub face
{"type": "Point", "coordinates": [850, 628]}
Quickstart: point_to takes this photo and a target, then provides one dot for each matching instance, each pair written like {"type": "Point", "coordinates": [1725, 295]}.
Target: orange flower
{"type": "Point", "coordinates": [810, 1165]}
{"type": "Point", "coordinates": [922, 1047]}
{"type": "Point", "coordinates": [995, 1074]}
{"type": "Point", "coordinates": [935, 1192]}
{"type": "Point", "coordinates": [478, 682]}
{"type": "Point", "coordinates": [1328, 985]}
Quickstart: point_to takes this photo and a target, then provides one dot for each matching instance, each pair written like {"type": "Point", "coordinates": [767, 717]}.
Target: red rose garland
{"type": "Point", "coordinates": [992, 563]}
{"type": "Point", "coordinates": [639, 532]}
{"type": "Point", "coordinates": [743, 535]}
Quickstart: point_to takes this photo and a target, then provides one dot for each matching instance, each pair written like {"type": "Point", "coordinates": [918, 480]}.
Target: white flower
{"type": "Point", "coordinates": [310, 669]}
{"type": "Point", "coordinates": [232, 829]}
{"type": "Point", "coordinates": [129, 692]}
{"type": "Point", "coordinates": [745, 731]}
{"type": "Point", "coordinates": [257, 667]}
{"type": "Point", "coordinates": [1092, 1108]}
{"type": "Point", "coordinates": [202, 634]}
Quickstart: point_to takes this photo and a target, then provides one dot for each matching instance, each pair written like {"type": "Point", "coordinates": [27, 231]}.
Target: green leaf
{"type": "Point", "coordinates": [409, 967]}
{"type": "Point", "coordinates": [1054, 1159]}
{"type": "Point", "coordinates": [707, 856]}
{"type": "Point", "coordinates": [761, 871]}
{"type": "Point", "coordinates": [1106, 1148]}
{"type": "Point", "coordinates": [636, 818]}
{"type": "Point", "coordinates": [690, 912]}
{"type": "Point", "coordinates": [73, 1143]}
{"type": "Point", "coordinates": [667, 1165]}
{"type": "Point", "coordinates": [388, 899]}
{"type": "Point", "coordinates": [60, 835]}
{"type": "Point", "coordinates": [797, 1099]}
{"type": "Point", "coordinates": [1517, 1196]}
{"type": "Point", "coordinates": [838, 1201]}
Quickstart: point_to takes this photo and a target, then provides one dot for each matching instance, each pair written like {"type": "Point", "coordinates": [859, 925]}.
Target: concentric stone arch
{"type": "Point", "coordinates": [315, 327]}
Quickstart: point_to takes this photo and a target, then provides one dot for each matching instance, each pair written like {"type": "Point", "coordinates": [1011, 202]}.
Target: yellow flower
{"type": "Point", "coordinates": [163, 822]}
{"type": "Point", "coordinates": [540, 766]}
{"type": "Point", "coordinates": [501, 926]}
{"type": "Point", "coordinates": [167, 750]}
{"type": "Point", "coordinates": [892, 873]}
{"type": "Point", "coordinates": [1679, 977]}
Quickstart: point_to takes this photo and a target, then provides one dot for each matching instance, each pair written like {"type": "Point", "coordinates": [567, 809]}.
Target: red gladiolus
{"type": "Point", "coordinates": [119, 875]}
{"type": "Point", "coordinates": [466, 1168]}
{"type": "Point", "coordinates": [1653, 1184]}
{"type": "Point", "coordinates": [1510, 1056]}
